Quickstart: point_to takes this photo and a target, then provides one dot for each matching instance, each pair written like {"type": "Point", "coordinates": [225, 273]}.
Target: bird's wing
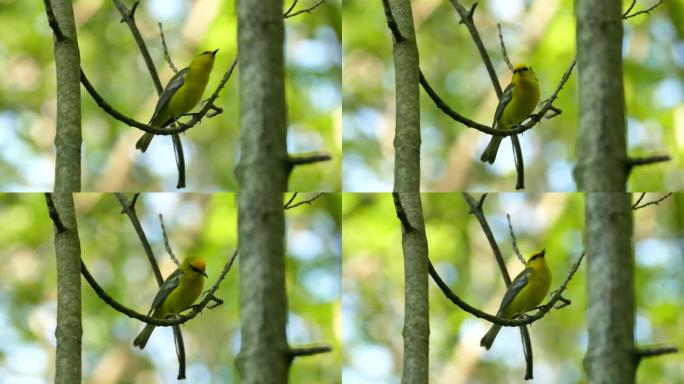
{"type": "Point", "coordinates": [506, 98]}
{"type": "Point", "coordinates": [172, 87]}
{"type": "Point", "coordinates": [169, 285]}
{"type": "Point", "coordinates": [518, 283]}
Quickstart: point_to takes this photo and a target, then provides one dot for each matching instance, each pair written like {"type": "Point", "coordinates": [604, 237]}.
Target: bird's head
{"type": "Point", "coordinates": [195, 265]}
{"type": "Point", "coordinates": [523, 71]}
{"type": "Point", "coordinates": [205, 60]}
{"type": "Point", "coordinates": [537, 257]}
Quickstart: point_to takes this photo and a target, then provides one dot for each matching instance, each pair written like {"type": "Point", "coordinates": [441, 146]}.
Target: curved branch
{"type": "Point", "coordinates": [180, 319]}
{"type": "Point", "coordinates": [182, 127]}
{"type": "Point", "coordinates": [527, 319]}
{"type": "Point", "coordinates": [547, 105]}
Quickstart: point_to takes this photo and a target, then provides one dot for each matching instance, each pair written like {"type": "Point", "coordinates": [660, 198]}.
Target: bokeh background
{"type": "Point", "coordinates": [539, 33]}
{"type": "Point", "coordinates": [373, 289]}
{"type": "Point", "coordinates": [197, 224]}
{"type": "Point", "coordinates": [112, 62]}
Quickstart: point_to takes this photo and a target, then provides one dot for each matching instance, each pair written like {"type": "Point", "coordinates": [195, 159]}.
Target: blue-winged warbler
{"type": "Point", "coordinates": [181, 94]}
{"type": "Point", "coordinates": [518, 101]}
{"type": "Point", "coordinates": [178, 292]}
{"type": "Point", "coordinates": [527, 290]}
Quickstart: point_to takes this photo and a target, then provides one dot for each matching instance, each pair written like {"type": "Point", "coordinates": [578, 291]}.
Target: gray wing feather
{"type": "Point", "coordinates": [171, 88]}
{"type": "Point", "coordinates": [505, 99]}
{"type": "Point", "coordinates": [169, 285]}
{"type": "Point", "coordinates": [518, 283]}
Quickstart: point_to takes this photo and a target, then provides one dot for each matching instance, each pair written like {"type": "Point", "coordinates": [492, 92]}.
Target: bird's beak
{"type": "Point", "coordinates": [205, 274]}
{"type": "Point", "coordinates": [542, 253]}
{"type": "Point", "coordinates": [213, 53]}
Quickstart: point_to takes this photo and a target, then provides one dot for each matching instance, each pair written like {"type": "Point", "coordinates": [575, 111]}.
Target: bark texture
{"type": "Point", "coordinates": [263, 126]}
{"type": "Point", "coordinates": [68, 135]}
{"type": "Point", "coordinates": [610, 289]}
{"type": "Point", "coordinates": [416, 332]}
{"type": "Point", "coordinates": [602, 147]}
{"type": "Point", "coordinates": [69, 330]}
{"type": "Point", "coordinates": [407, 132]}
{"type": "Point", "coordinates": [262, 175]}
{"type": "Point", "coordinates": [263, 301]}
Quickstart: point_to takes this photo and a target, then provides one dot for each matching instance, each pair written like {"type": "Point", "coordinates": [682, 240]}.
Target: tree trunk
{"type": "Point", "coordinates": [68, 135]}
{"type": "Point", "coordinates": [602, 146]}
{"type": "Point", "coordinates": [610, 288]}
{"type": "Point", "coordinates": [407, 131]}
{"type": "Point", "coordinates": [69, 330]}
{"type": "Point", "coordinates": [602, 169]}
{"type": "Point", "coordinates": [263, 126]}
{"type": "Point", "coordinates": [416, 331]}
{"type": "Point", "coordinates": [262, 176]}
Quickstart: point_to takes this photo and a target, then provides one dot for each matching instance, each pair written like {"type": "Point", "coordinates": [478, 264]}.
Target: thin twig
{"type": "Point", "coordinates": [515, 243]}
{"type": "Point", "coordinates": [467, 20]}
{"type": "Point", "coordinates": [308, 351]}
{"type": "Point", "coordinates": [52, 21]}
{"type": "Point", "coordinates": [166, 242]}
{"type": "Point", "coordinates": [636, 205]}
{"type": "Point", "coordinates": [54, 215]}
{"type": "Point", "coordinates": [519, 164]}
{"type": "Point", "coordinates": [639, 161]}
{"type": "Point", "coordinates": [655, 351]}
{"type": "Point", "coordinates": [401, 213]}
{"type": "Point", "coordinates": [392, 23]}
{"type": "Point", "coordinates": [290, 205]}
{"type": "Point", "coordinates": [166, 49]}
{"type": "Point", "coordinates": [648, 10]}
{"type": "Point", "coordinates": [288, 14]}
{"type": "Point", "coordinates": [294, 4]}
{"type": "Point", "coordinates": [301, 159]}
{"type": "Point", "coordinates": [503, 48]}
{"type": "Point", "coordinates": [476, 210]}
{"type": "Point", "coordinates": [129, 210]}
{"type": "Point", "coordinates": [629, 9]}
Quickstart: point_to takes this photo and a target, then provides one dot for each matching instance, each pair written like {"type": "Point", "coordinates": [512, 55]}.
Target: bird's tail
{"type": "Point", "coordinates": [489, 154]}
{"type": "Point", "coordinates": [488, 339]}
{"type": "Point", "coordinates": [144, 142]}
{"type": "Point", "coordinates": [141, 340]}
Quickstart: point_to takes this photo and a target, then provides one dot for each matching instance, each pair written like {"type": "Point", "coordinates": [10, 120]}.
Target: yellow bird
{"type": "Point", "coordinates": [181, 94]}
{"type": "Point", "coordinates": [518, 101]}
{"type": "Point", "coordinates": [527, 291]}
{"type": "Point", "coordinates": [178, 292]}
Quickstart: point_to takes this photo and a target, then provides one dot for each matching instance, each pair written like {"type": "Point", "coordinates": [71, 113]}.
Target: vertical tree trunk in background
{"type": "Point", "coordinates": [68, 135]}
{"type": "Point", "coordinates": [602, 172]}
{"type": "Point", "coordinates": [610, 288]}
{"type": "Point", "coordinates": [416, 331]}
{"type": "Point", "coordinates": [601, 169]}
{"type": "Point", "coordinates": [263, 125]}
{"type": "Point", "coordinates": [262, 176]}
{"type": "Point", "coordinates": [69, 330]}
{"type": "Point", "coordinates": [602, 146]}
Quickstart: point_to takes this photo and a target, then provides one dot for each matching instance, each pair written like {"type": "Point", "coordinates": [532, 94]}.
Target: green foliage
{"type": "Point", "coordinates": [196, 224]}
{"type": "Point", "coordinates": [113, 64]}
{"type": "Point", "coordinates": [542, 36]}
{"type": "Point", "coordinates": [373, 286]}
